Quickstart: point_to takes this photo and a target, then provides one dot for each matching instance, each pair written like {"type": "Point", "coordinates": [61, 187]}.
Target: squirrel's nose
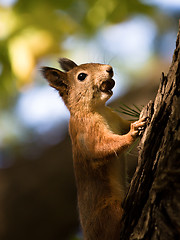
{"type": "Point", "coordinates": [110, 71]}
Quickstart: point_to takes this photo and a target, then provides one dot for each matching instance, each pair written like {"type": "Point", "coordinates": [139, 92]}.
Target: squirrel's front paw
{"type": "Point", "coordinates": [137, 127]}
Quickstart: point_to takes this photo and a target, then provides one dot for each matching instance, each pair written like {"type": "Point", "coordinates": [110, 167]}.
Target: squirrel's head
{"type": "Point", "coordinates": [85, 85]}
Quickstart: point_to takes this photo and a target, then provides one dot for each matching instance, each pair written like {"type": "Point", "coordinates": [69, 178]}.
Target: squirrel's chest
{"type": "Point", "coordinates": [113, 125]}
{"type": "Point", "coordinates": [111, 121]}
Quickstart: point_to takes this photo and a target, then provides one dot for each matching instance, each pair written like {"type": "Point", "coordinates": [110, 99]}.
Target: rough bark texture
{"type": "Point", "coordinates": [152, 205]}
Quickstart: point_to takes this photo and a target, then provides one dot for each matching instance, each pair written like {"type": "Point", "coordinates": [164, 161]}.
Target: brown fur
{"type": "Point", "coordinates": [99, 137]}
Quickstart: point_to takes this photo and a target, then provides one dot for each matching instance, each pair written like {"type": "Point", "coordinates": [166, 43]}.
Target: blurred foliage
{"type": "Point", "coordinates": [32, 29]}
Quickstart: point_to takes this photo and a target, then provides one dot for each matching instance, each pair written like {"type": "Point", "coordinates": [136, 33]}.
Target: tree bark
{"type": "Point", "coordinates": [152, 204]}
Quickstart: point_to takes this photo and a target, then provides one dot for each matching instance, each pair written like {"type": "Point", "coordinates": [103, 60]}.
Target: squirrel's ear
{"type": "Point", "coordinates": [67, 64]}
{"type": "Point", "coordinates": [56, 79]}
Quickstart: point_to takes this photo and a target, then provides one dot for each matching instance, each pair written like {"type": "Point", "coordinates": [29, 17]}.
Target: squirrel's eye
{"type": "Point", "coordinates": [82, 76]}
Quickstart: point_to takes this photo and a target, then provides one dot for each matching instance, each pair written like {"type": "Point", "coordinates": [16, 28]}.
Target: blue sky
{"type": "Point", "coordinates": [42, 108]}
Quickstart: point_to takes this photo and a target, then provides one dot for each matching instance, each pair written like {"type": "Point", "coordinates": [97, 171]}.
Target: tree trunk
{"type": "Point", "coordinates": [152, 204]}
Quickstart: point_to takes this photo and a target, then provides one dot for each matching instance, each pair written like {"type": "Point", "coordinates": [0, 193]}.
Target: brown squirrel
{"type": "Point", "coordinates": [99, 139]}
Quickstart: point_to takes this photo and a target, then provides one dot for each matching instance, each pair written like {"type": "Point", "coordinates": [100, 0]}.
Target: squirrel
{"type": "Point", "coordinates": [99, 139]}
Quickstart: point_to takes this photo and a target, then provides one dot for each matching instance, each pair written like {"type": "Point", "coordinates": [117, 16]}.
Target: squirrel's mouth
{"type": "Point", "coordinates": [107, 86]}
